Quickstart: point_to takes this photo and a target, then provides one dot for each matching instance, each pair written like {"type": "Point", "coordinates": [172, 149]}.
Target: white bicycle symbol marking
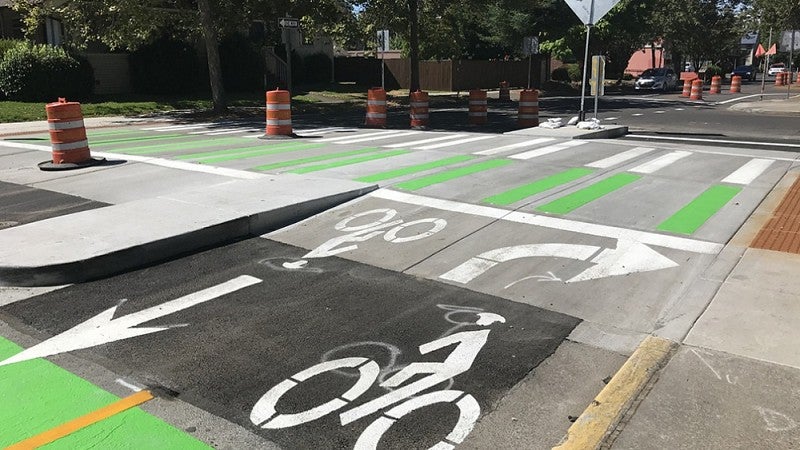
{"type": "Point", "coordinates": [361, 233]}
{"type": "Point", "coordinates": [468, 345]}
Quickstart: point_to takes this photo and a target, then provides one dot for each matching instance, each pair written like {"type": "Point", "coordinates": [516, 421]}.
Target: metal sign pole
{"type": "Point", "coordinates": [791, 60]}
{"type": "Point", "coordinates": [766, 63]}
{"type": "Point", "coordinates": [288, 60]}
{"type": "Point", "coordinates": [530, 57]}
{"type": "Point", "coordinates": [582, 112]}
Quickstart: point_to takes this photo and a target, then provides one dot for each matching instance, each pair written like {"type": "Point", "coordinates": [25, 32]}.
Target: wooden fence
{"type": "Point", "coordinates": [449, 75]}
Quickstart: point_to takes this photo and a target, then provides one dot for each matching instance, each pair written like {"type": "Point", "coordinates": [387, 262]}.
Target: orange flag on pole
{"type": "Point", "coordinates": [772, 50]}
{"type": "Point", "coordinates": [760, 51]}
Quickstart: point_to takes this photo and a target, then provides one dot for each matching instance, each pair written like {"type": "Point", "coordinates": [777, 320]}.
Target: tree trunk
{"type": "Point", "coordinates": [413, 11]}
{"type": "Point", "coordinates": [653, 55]}
{"type": "Point", "coordinates": [212, 52]}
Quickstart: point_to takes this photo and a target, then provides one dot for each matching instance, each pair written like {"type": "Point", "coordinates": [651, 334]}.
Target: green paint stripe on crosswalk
{"type": "Point", "coordinates": [312, 159]}
{"type": "Point", "coordinates": [37, 395]}
{"type": "Point", "coordinates": [419, 183]}
{"type": "Point", "coordinates": [692, 216]}
{"type": "Point", "coordinates": [414, 169]}
{"type": "Point", "coordinates": [158, 137]}
{"type": "Point", "coordinates": [236, 153]}
{"type": "Point", "coordinates": [588, 194]}
{"type": "Point", "coordinates": [538, 186]}
{"type": "Point", "coordinates": [187, 145]}
{"type": "Point", "coordinates": [350, 161]}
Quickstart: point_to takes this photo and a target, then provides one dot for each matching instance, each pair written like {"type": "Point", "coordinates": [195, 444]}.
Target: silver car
{"type": "Point", "coordinates": [662, 79]}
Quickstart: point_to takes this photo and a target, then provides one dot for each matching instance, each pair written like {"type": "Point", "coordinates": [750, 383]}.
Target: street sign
{"type": "Point", "coordinates": [790, 42]}
{"type": "Point", "coordinates": [530, 45]}
{"type": "Point", "coordinates": [590, 11]}
{"type": "Point", "coordinates": [288, 22]}
{"type": "Point", "coordinates": [383, 40]}
{"type": "Point", "coordinates": [597, 82]}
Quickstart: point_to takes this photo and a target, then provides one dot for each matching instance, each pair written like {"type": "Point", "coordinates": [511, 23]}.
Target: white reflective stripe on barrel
{"type": "Point", "coordinates": [376, 102]}
{"type": "Point", "coordinates": [528, 103]}
{"type": "Point", "coordinates": [376, 115]}
{"type": "Point", "coordinates": [279, 122]}
{"type": "Point", "coordinates": [528, 116]}
{"type": "Point", "coordinates": [71, 145]}
{"type": "Point", "coordinates": [66, 125]}
{"type": "Point", "coordinates": [278, 106]}
{"type": "Point", "coordinates": [419, 116]}
{"type": "Point", "coordinates": [419, 104]}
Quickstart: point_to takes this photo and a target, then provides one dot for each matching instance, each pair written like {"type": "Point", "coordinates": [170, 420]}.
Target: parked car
{"type": "Point", "coordinates": [746, 72]}
{"type": "Point", "coordinates": [776, 68]}
{"type": "Point", "coordinates": [663, 79]}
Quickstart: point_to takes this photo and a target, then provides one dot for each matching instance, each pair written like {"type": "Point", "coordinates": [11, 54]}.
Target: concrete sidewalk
{"type": "Point", "coordinates": [159, 211]}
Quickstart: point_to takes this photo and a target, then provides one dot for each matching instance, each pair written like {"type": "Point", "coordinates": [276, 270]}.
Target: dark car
{"type": "Point", "coordinates": [746, 72]}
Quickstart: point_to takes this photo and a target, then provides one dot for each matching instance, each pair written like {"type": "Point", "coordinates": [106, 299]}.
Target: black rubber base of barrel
{"type": "Point", "coordinates": [278, 137]}
{"type": "Point", "coordinates": [51, 166]}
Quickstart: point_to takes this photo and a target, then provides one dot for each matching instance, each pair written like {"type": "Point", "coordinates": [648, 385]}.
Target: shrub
{"type": "Point", "coordinates": [31, 72]}
{"type": "Point", "coordinates": [166, 67]}
{"type": "Point", "coordinates": [242, 64]}
{"type": "Point", "coordinates": [316, 69]}
{"type": "Point", "coordinates": [567, 72]}
{"type": "Point", "coordinates": [8, 44]}
{"type": "Point", "coordinates": [714, 71]}
{"type": "Point", "coordinates": [627, 76]}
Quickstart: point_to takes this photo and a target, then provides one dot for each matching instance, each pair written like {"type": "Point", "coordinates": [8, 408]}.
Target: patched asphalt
{"type": "Point", "coordinates": [235, 348]}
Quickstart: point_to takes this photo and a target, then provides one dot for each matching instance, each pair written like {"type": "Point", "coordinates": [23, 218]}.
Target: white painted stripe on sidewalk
{"type": "Point", "coordinates": [181, 165]}
{"type": "Point", "coordinates": [532, 142]}
{"type": "Point", "coordinates": [376, 138]}
{"type": "Point", "coordinates": [547, 150]}
{"type": "Point", "coordinates": [660, 240]}
{"type": "Point", "coordinates": [748, 172]}
{"type": "Point", "coordinates": [178, 127]}
{"type": "Point", "coordinates": [660, 162]}
{"type": "Point", "coordinates": [356, 136]}
{"type": "Point", "coordinates": [425, 141]}
{"type": "Point", "coordinates": [620, 158]}
{"type": "Point", "coordinates": [215, 130]}
{"type": "Point", "coordinates": [721, 141]}
{"type": "Point", "coordinates": [452, 143]}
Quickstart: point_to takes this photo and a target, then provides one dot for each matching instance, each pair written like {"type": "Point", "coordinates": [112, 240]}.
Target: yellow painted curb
{"type": "Point", "coordinates": [601, 417]}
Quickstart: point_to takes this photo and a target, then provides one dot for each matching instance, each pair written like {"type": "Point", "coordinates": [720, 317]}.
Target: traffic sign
{"type": "Point", "coordinates": [383, 40]}
{"type": "Point", "coordinates": [597, 82]}
{"type": "Point", "coordinates": [530, 45]}
{"type": "Point", "coordinates": [288, 22]}
{"type": "Point", "coordinates": [590, 11]}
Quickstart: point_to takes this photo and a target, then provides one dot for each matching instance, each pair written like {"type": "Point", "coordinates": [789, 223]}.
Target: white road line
{"type": "Point", "coordinates": [547, 150]}
{"type": "Point", "coordinates": [660, 162]}
{"type": "Point", "coordinates": [181, 165]}
{"type": "Point", "coordinates": [452, 143]}
{"type": "Point", "coordinates": [216, 130]}
{"type": "Point", "coordinates": [356, 136]}
{"type": "Point", "coordinates": [238, 130]}
{"type": "Point", "coordinates": [611, 118]}
{"type": "Point", "coordinates": [620, 158]}
{"type": "Point", "coordinates": [376, 138]}
{"type": "Point", "coordinates": [425, 141]}
{"type": "Point", "coordinates": [637, 114]}
{"type": "Point", "coordinates": [532, 142]}
{"type": "Point", "coordinates": [748, 172]}
{"type": "Point", "coordinates": [743, 98]}
{"type": "Point", "coordinates": [722, 141]}
{"type": "Point", "coordinates": [679, 109]}
{"type": "Point", "coordinates": [660, 240]}
{"type": "Point", "coordinates": [178, 127]}
{"type": "Point", "coordinates": [659, 112]}
{"type": "Point", "coordinates": [325, 130]}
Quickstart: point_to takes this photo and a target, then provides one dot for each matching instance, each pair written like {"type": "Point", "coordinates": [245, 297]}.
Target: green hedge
{"type": "Point", "coordinates": [30, 72]}
{"type": "Point", "coordinates": [567, 72]}
{"type": "Point", "coordinates": [167, 67]}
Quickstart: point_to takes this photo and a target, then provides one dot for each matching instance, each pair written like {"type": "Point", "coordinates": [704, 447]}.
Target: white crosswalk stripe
{"type": "Point", "coordinates": [217, 130]}
{"type": "Point", "coordinates": [660, 162]}
{"type": "Point", "coordinates": [620, 158]}
{"type": "Point", "coordinates": [375, 138]}
{"type": "Point", "coordinates": [452, 143]}
{"type": "Point", "coordinates": [178, 127]}
{"type": "Point", "coordinates": [547, 150]}
{"type": "Point", "coordinates": [748, 172]}
{"type": "Point", "coordinates": [518, 145]}
{"type": "Point", "coordinates": [238, 130]}
{"type": "Point", "coordinates": [356, 136]}
{"type": "Point", "coordinates": [425, 141]}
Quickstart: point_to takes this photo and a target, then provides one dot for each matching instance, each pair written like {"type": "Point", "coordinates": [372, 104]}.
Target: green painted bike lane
{"type": "Point", "coordinates": [37, 396]}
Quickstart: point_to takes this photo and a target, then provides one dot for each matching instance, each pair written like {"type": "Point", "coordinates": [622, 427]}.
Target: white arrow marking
{"type": "Point", "coordinates": [104, 328]}
{"type": "Point", "coordinates": [628, 257]}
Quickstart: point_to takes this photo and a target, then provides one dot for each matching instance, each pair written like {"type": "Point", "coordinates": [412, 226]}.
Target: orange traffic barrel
{"type": "Point", "coordinates": [528, 108]}
{"type": "Point", "coordinates": [697, 90]}
{"type": "Point", "coordinates": [716, 85]}
{"type": "Point", "coordinates": [67, 137]}
{"type": "Point", "coordinates": [505, 92]}
{"type": "Point", "coordinates": [419, 109]}
{"type": "Point", "coordinates": [477, 107]}
{"type": "Point", "coordinates": [779, 79]}
{"type": "Point", "coordinates": [687, 88]}
{"type": "Point", "coordinates": [736, 84]}
{"type": "Point", "coordinates": [279, 113]}
{"type": "Point", "coordinates": [376, 108]}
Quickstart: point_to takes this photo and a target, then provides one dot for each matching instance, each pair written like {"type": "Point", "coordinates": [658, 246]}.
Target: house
{"type": "Point", "coordinates": [647, 57]}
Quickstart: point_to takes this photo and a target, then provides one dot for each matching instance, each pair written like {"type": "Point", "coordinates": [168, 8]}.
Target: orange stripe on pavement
{"type": "Point", "coordinates": [83, 421]}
